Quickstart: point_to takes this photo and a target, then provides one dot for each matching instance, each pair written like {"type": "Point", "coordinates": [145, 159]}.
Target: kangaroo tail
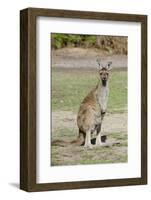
{"type": "Point", "coordinates": [77, 142]}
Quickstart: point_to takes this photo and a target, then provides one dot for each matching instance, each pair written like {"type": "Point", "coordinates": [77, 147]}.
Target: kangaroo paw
{"type": "Point", "coordinates": [88, 146]}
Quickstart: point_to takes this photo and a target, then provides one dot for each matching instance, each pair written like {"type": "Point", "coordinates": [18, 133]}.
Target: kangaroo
{"type": "Point", "coordinates": [92, 111]}
{"type": "Point", "coordinates": [93, 107]}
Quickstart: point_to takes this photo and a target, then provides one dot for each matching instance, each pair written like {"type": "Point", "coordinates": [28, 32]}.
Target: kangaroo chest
{"type": "Point", "coordinates": [103, 98]}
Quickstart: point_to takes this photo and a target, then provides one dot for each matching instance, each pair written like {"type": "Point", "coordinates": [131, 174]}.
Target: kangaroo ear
{"type": "Point", "coordinates": [99, 64]}
{"type": "Point", "coordinates": [109, 65]}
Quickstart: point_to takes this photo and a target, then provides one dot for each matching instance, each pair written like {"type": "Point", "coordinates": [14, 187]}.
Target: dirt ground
{"type": "Point", "coordinates": [85, 58]}
{"type": "Point", "coordinates": [115, 122]}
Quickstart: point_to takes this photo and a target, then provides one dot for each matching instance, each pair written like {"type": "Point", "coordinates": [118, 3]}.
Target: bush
{"type": "Point", "coordinates": [111, 44]}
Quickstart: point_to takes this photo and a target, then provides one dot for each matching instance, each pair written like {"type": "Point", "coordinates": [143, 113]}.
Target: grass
{"type": "Point", "coordinates": [79, 155]}
{"type": "Point", "coordinates": [69, 87]}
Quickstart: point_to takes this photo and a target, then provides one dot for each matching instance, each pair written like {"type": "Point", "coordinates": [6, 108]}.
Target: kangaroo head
{"type": "Point", "coordinates": [104, 71]}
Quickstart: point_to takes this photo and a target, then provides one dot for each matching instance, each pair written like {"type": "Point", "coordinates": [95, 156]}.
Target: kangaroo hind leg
{"type": "Point", "coordinates": [88, 139]}
{"type": "Point", "coordinates": [98, 138]}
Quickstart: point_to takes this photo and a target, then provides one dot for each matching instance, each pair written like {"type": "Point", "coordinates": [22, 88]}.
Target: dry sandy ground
{"type": "Point", "coordinates": [112, 122]}
{"type": "Point", "coordinates": [85, 58]}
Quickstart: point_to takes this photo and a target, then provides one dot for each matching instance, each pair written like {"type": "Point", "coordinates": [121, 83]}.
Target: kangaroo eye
{"type": "Point", "coordinates": [100, 73]}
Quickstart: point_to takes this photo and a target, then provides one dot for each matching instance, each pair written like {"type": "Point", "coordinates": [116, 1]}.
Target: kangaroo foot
{"type": "Point", "coordinates": [98, 141]}
{"type": "Point", "coordinates": [89, 146]}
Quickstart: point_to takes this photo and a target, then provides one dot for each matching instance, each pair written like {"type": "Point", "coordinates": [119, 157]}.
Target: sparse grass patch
{"type": "Point", "coordinates": [71, 155]}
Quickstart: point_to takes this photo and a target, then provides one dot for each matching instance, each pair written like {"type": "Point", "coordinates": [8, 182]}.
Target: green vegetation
{"type": "Point", "coordinates": [110, 44]}
{"type": "Point", "coordinates": [71, 40]}
{"type": "Point", "coordinates": [69, 87]}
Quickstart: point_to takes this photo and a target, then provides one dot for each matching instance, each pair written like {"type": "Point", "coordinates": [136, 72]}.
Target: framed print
{"type": "Point", "coordinates": [83, 99]}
